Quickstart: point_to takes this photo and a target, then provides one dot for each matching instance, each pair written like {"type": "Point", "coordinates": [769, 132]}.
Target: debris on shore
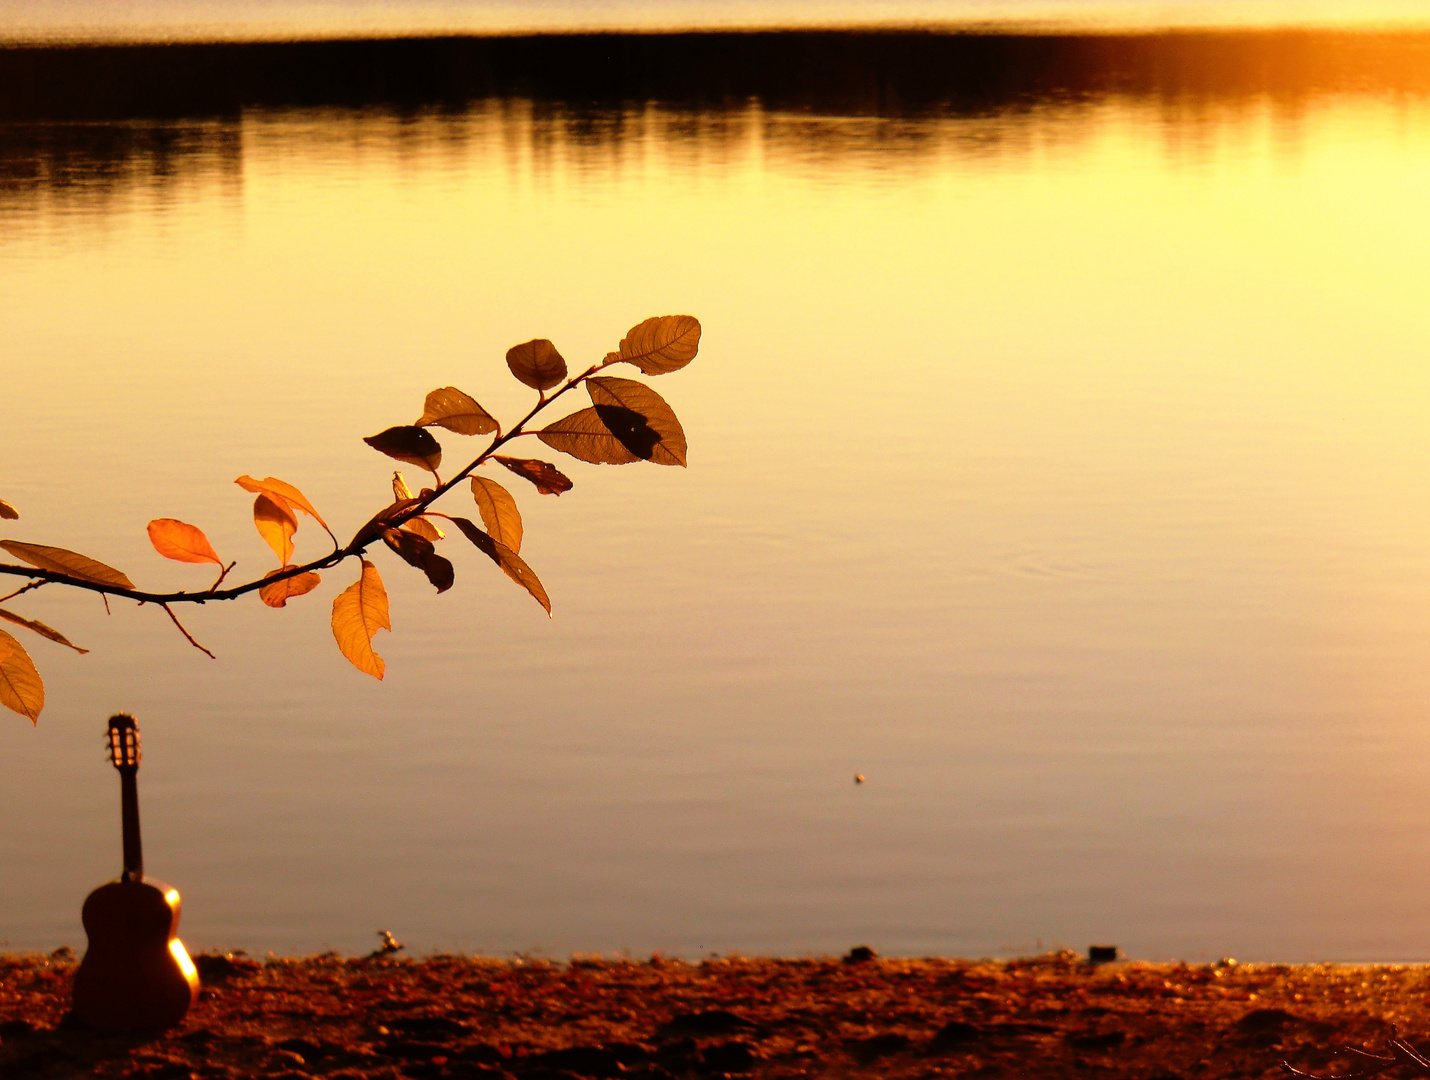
{"type": "Point", "coordinates": [384, 1018]}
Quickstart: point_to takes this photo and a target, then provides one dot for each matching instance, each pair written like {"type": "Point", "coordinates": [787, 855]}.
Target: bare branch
{"type": "Point", "coordinates": [22, 589]}
{"type": "Point", "coordinates": [189, 636]}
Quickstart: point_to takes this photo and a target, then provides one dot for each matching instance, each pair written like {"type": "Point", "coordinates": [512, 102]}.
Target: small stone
{"type": "Point", "coordinates": [860, 954]}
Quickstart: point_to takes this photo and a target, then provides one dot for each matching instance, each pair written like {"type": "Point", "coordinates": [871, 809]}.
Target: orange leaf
{"type": "Point", "coordinates": [39, 628]}
{"type": "Point", "coordinates": [455, 411]}
{"type": "Point", "coordinates": [276, 524]}
{"type": "Point", "coordinates": [70, 563]}
{"type": "Point", "coordinates": [511, 563]}
{"type": "Point", "coordinates": [281, 492]}
{"type": "Point", "coordinates": [660, 345]}
{"type": "Point", "coordinates": [408, 443]}
{"type": "Point", "coordinates": [586, 436]}
{"type": "Point", "coordinates": [640, 418]}
{"type": "Point", "coordinates": [21, 687]}
{"type": "Point", "coordinates": [180, 542]}
{"type": "Point", "coordinates": [7, 511]}
{"type": "Point", "coordinates": [549, 480]}
{"type": "Point", "coordinates": [536, 363]}
{"type": "Point", "coordinates": [278, 593]}
{"type": "Point", "coordinates": [359, 612]}
{"type": "Point", "coordinates": [424, 528]}
{"type": "Point", "coordinates": [499, 512]}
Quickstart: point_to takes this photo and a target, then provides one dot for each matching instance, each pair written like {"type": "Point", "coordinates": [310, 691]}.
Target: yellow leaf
{"type": "Point", "coordinates": [413, 445]}
{"type": "Point", "coordinates": [499, 512]}
{"type": "Point", "coordinates": [39, 628]}
{"type": "Point", "coordinates": [359, 613]}
{"type": "Point", "coordinates": [536, 363]}
{"type": "Point", "coordinates": [7, 511]}
{"type": "Point", "coordinates": [21, 687]}
{"type": "Point", "coordinates": [584, 435]}
{"type": "Point", "coordinates": [425, 529]}
{"type": "Point", "coordinates": [511, 563]}
{"type": "Point", "coordinates": [276, 524]}
{"type": "Point", "coordinates": [400, 490]}
{"type": "Point", "coordinates": [281, 492]}
{"type": "Point", "coordinates": [660, 345]}
{"type": "Point", "coordinates": [616, 398]}
{"type": "Point", "coordinates": [70, 563]}
{"type": "Point", "coordinates": [455, 411]}
{"type": "Point", "coordinates": [278, 593]}
{"type": "Point", "coordinates": [549, 480]}
{"type": "Point", "coordinates": [180, 542]}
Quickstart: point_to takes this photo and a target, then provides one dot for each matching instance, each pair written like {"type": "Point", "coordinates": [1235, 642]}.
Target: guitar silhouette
{"type": "Point", "coordinates": [135, 975]}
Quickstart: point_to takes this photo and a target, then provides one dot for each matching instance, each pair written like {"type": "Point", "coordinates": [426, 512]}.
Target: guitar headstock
{"type": "Point", "coordinates": [123, 741]}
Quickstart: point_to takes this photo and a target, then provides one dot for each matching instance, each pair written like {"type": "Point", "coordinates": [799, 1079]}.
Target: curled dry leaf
{"type": "Point", "coordinates": [511, 563]}
{"type": "Point", "coordinates": [615, 398]}
{"type": "Point", "coordinates": [424, 528]}
{"type": "Point", "coordinates": [549, 480]}
{"type": "Point", "coordinates": [70, 563]}
{"type": "Point", "coordinates": [536, 363]}
{"type": "Point", "coordinates": [383, 520]}
{"type": "Point", "coordinates": [278, 593]}
{"type": "Point", "coordinates": [585, 436]}
{"type": "Point", "coordinates": [276, 524]}
{"type": "Point", "coordinates": [663, 344]}
{"type": "Point", "coordinates": [8, 512]}
{"type": "Point", "coordinates": [359, 612]}
{"type": "Point", "coordinates": [281, 492]}
{"type": "Point", "coordinates": [21, 688]}
{"type": "Point", "coordinates": [40, 628]}
{"type": "Point", "coordinates": [417, 551]}
{"type": "Point", "coordinates": [400, 490]}
{"type": "Point", "coordinates": [408, 443]}
{"type": "Point", "coordinates": [181, 542]}
{"type": "Point", "coordinates": [499, 512]}
{"type": "Point", "coordinates": [456, 411]}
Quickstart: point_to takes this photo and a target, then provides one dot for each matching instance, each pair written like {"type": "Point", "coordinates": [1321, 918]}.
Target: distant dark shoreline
{"type": "Point", "coordinates": [881, 73]}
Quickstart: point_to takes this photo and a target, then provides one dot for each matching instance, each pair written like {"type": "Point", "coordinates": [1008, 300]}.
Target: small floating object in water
{"type": "Point", "coordinates": [858, 778]}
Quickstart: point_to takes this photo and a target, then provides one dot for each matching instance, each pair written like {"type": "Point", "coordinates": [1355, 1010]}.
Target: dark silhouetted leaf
{"type": "Point", "coordinates": [359, 612]}
{"type": "Point", "coordinates": [40, 628]}
{"type": "Point", "coordinates": [413, 445]}
{"type": "Point", "coordinates": [276, 524]}
{"type": "Point", "coordinates": [70, 563]}
{"type": "Point", "coordinates": [21, 687]}
{"type": "Point", "coordinates": [610, 394]}
{"type": "Point", "coordinates": [180, 542]}
{"type": "Point", "coordinates": [278, 593]}
{"type": "Point", "coordinates": [547, 477]}
{"type": "Point", "coordinates": [8, 512]}
{"type": "Point", "coordinates": [455, 411]}
{"type": "Point", "coordinates": [660, 345]}
{"type": "Point", "coordinates": [536, 363]}
{"type": "Point", "coordinates": [584, 435]}
{"type": "Point", "coordinates": [499, 512]}
{"type": "Point", "coordinates": [510, 562]}
{"type": "Point", "coordinates": [418, 551]}
{"type": "Point", "coordinates": [281, 492]}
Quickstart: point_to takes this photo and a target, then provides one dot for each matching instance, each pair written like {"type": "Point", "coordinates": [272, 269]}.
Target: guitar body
{"type": "Point", "coordinates": [136, 974]}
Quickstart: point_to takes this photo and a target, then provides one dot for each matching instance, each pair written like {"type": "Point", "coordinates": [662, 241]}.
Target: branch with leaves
{"type": "Point", "coordinates": [626, 422]}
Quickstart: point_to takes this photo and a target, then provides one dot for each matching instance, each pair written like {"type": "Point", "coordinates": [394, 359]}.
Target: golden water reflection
{"type": "Point", "coordinates": [1060, 467]}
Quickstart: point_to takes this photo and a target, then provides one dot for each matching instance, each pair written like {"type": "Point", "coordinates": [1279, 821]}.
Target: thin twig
{"type": "Point", "coordinates": [223, 573]}
{"type": "Point", "coordinates": [21, 589]}
{"type": "Point", "coordinates": [186, 634]}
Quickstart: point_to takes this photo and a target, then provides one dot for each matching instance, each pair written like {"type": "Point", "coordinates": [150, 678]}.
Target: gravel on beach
{"type": "Point", "coordinates": [657, 1019]}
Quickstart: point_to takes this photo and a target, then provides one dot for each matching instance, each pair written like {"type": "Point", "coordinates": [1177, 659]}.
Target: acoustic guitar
{"type": "Point", "coordinates": [135, 975]}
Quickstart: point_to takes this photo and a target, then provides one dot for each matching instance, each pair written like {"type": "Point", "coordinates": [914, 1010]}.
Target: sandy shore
{"type": "Point", "coordinates": [453, 1016]}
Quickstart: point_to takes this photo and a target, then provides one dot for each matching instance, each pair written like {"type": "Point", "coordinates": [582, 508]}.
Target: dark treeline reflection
{"type": "Point", "coordinates": [884, 74]}
{"type": "Point", "coordinates": [87, 128]}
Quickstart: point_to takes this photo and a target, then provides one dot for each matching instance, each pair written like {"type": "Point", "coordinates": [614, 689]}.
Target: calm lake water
{"type": "Point", "coordinates": [1058, 461]}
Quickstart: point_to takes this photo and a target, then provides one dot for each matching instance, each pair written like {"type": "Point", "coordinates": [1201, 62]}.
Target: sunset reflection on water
{"type": "Point", "coordinates": [1058, 461]}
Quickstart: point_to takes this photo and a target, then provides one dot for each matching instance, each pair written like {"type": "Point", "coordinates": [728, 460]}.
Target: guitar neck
{"type": "Point", "coordinates": [129, 813]}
